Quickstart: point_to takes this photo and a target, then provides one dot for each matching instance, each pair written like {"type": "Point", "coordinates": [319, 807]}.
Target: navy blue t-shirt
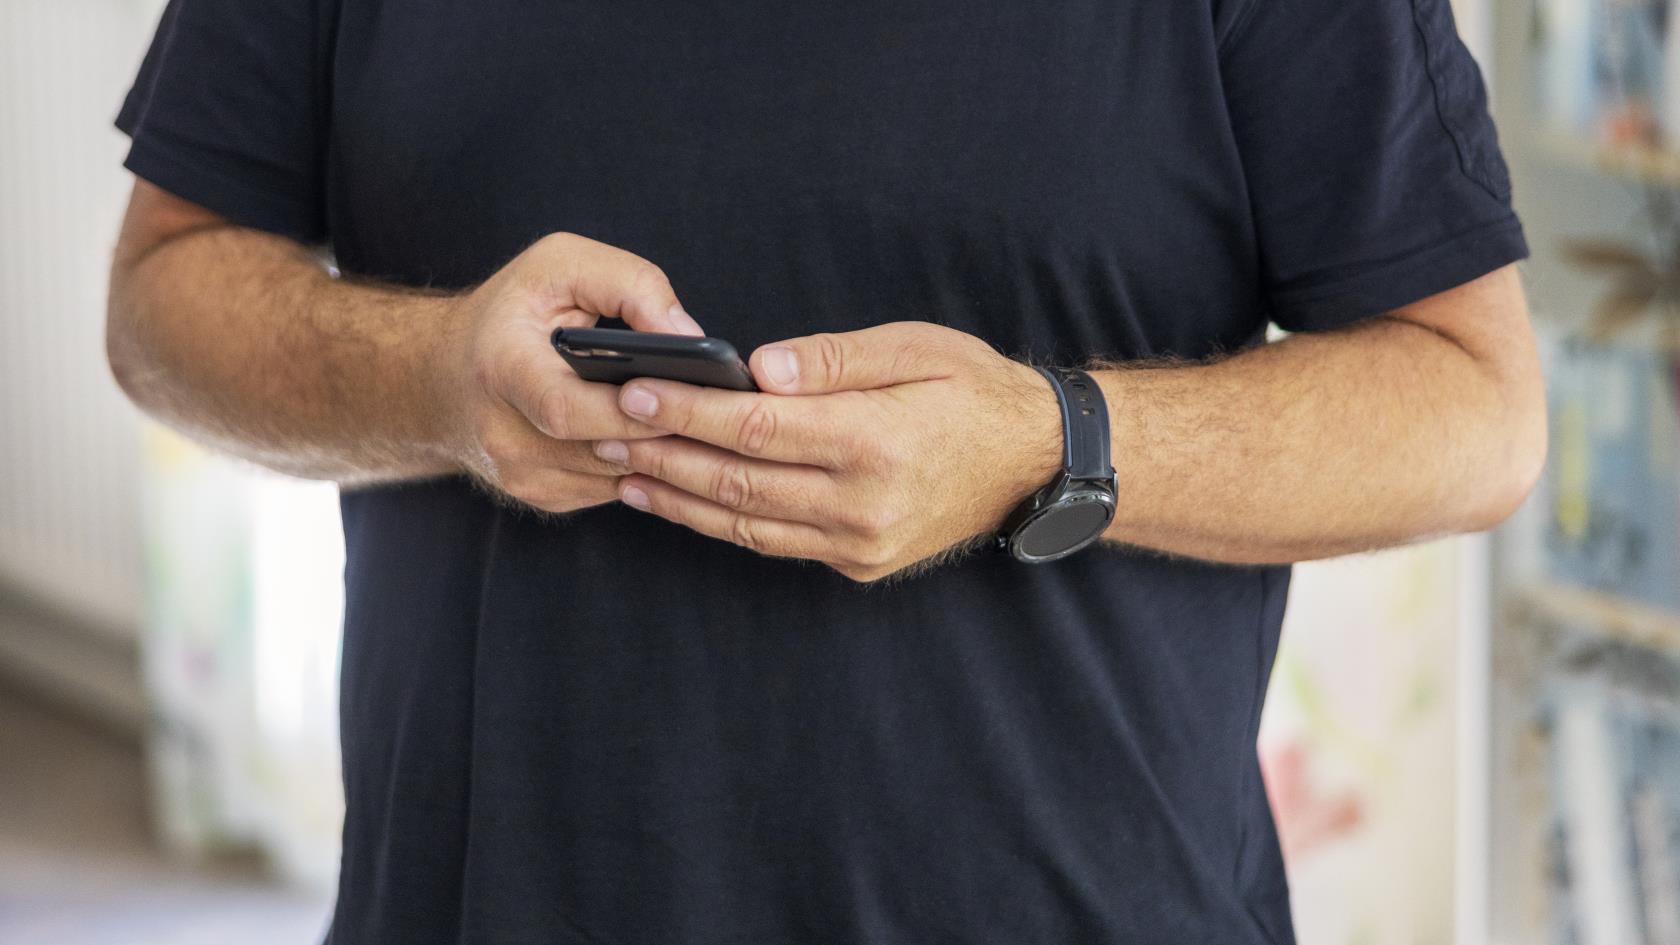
{"type": "Point", "coordinates": [608, 730]}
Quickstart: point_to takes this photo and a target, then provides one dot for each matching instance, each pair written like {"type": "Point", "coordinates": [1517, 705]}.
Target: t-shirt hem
{"type": "Point", "coordinates": [1394, 283]}
{"type": "Point", "coordinates": [184, 172]}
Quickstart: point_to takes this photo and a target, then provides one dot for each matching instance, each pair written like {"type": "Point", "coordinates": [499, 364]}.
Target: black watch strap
{"type": "Point", "coordinates": [1085, 450]}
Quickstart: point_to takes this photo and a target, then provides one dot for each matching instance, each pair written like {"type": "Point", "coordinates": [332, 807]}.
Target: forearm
{"type": "Point", "coordinates": [1320, 445]}
{"type": "Point", "coordinates": [243, 341]}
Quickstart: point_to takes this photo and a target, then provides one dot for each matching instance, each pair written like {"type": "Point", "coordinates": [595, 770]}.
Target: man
{"type": "Point", "coordinates": [687, 711]}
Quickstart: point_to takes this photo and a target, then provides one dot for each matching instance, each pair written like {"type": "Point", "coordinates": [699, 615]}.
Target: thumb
{"type": "Point", "coordinates": [611, 282]}
{"type": "Point", "coordinates": [881, 356]}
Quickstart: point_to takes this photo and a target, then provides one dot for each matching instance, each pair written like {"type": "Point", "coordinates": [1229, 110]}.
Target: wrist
{"type": "Point", "coordinates": [1076, 505]}
{"type": "Point", "coordinates": [1038, 438]}
{"type": "Point", "coordinates": [446, 377]}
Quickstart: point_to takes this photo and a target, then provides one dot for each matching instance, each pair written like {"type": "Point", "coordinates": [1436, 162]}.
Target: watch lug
{"type": "Point", "coordinates": [1054, 490]}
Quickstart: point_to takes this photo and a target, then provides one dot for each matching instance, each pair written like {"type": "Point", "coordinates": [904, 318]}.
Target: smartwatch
{"type": "Point", "coordinates": [1074, 509]}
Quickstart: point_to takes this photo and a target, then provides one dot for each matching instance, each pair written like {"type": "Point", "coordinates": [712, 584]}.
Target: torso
{"type": "Point", "coordinates": [609, 729]}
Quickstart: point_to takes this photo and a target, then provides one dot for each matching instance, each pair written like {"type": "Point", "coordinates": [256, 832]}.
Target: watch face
{"type": "Point", "coordinates": [1063, 528]}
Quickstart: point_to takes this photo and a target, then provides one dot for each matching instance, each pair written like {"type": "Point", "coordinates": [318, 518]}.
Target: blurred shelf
{"type": "Point", "coordinates": [1641, 164]}
{"type": "Point", "coordinates": [1605, 613]}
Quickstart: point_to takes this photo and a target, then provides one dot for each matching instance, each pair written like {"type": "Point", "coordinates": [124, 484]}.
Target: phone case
{"type": "Point", "coordinates": [613, 356]}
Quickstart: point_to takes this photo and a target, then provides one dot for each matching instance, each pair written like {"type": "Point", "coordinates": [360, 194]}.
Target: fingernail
{"type": "Point", "coordinates": [639, 402]}
{"type": "Point", "coordinates": [780, 365]}
{"type": "Point", "coordinates": [635, 498]}
{"type": "Point", "coordinates": [613, 451]}
{"type": "Point", "coordinates": [681, 323]}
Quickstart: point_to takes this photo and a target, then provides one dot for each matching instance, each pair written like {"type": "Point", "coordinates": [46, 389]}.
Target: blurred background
{"type": "Point", "coordinates": [1473, 741]}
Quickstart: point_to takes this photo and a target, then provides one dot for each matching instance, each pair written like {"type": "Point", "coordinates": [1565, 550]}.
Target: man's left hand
{"type": "Point", "coordinates": [869, 451]}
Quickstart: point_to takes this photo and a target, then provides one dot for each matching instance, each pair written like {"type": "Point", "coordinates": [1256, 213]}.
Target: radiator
{"type": "Point", "coordinates": [69, 534]}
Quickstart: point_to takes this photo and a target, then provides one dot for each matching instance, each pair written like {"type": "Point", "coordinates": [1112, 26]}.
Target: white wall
{"type": "Point", "coordinates": [68, 489]}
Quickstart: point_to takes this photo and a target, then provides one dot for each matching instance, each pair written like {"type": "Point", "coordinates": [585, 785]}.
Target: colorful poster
{"type": "Point", "coordinates": [1358, 747]}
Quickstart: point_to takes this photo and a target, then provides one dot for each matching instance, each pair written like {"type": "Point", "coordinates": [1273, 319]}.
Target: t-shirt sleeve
{"type": "Point", "coordinates": [228, 111]}
{"type": "Point", "coordinates": [1373, 168]}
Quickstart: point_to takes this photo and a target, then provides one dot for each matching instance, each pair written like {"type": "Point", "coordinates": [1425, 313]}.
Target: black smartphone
{"type": "Point", "coordinates": [614, 355]}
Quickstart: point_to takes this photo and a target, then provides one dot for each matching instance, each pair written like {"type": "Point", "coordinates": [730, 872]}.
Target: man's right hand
{"type": "Point", "coordinates": [524, 422]}
{"type": "Point", "coordinates": [243, 340]}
